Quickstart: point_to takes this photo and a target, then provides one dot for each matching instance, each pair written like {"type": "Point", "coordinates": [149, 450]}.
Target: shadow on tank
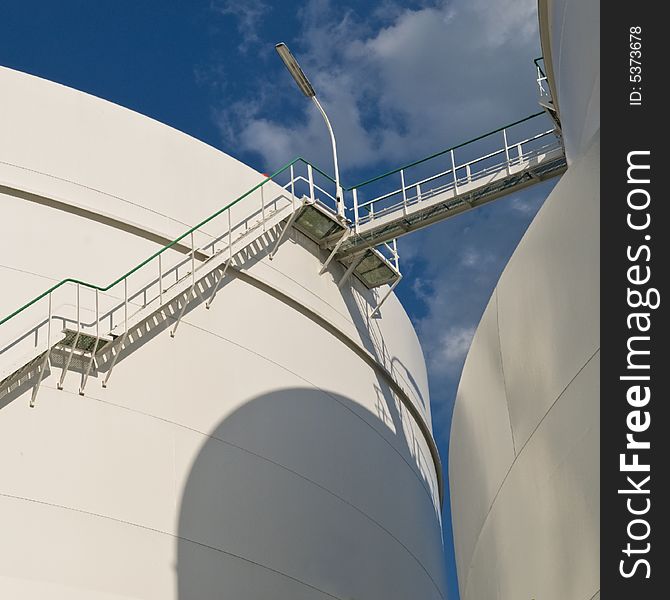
{"type": "Point", "coordinates": [302, 493]}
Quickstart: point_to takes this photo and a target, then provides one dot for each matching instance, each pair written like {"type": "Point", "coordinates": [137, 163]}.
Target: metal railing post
{"type": "Point", "coordinates": [225, 268]}
{"type": "Point", "coordinates": [47, 358]}
{"type": "Point", "coordinates": [310, 178]}
{"type": "Point", "coordinates": [356, 224]}
{"type": "Point", "coordinates": [404, 192]}
{"type": "Point", "coordinates": [541, 78]}
{"type": "Point", "coordinates": [123, 338]}
{"type": "Point", "coordinates": [192, 260]}
{"type": "Point", "coordinates": [66, 368]}
{"type": "Point", "coordinates": [230, 235]}
{"type": "Point", "coordinates": [95, 345]}
{"type": "Point", "coordinates": [292, 187]}
{"type": "Point", "coordinates": [506, 150]}
{"type": "Point", "coordinates": [125, 305]}
{"type": "Point", "coordinates": [187, 298]}
{"type": "Point", "coordinates": [160, 279]}
{"type": "Point", "coordinates": [453, 171]}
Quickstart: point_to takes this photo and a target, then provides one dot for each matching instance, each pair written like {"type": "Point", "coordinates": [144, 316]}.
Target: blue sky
{"type": "Point", "coordinates": [399, 80]}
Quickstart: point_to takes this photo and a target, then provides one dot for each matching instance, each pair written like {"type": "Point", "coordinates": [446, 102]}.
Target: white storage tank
{"type": "Point", "coordinates": [524, 449]}
{"type": "Point", "coordinates": [278, 446]}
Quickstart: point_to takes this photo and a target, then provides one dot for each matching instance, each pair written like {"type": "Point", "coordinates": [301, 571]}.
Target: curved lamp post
{"type": "Point", "coordinates": [307, 89]}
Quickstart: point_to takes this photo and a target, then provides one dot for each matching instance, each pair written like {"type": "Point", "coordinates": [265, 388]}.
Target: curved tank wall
{"type": "Point", "coordinates": [264, 452]}
{"type": "Point", "coordinates": [524, 448]}
{"type": "Point", "coordinates": [570, 31]}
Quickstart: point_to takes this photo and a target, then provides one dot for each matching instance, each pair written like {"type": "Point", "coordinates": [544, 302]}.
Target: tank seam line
{"type": "Point", "coordinates": [394, 373]}
{"type": "Point", "coordinates": [304, 379]}
{"type": "Point", "coordinates": [306, 289]}
{"type": "Point", "coordinates": [502, 483]}
{"type": "Point", "coordinates": [328, 304]}
{"type": "Point", "coordinates": [363, 353]}
{"type": "Point", "coordinates": [92, 189]}
{"type": "Point", "coordinates": [167, 533]}
{"type": "Point", "coordinates": [277, 464]}
{"type": "Point", "coordinates": [502, 369]}
{"type": "Point", "coordinates": [417, 475]}
{"type": "Point", "coordinates": [376, 365]}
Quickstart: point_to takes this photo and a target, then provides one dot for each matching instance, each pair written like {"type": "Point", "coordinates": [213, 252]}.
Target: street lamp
{"type": "Point", "coordinates": [307, 89]}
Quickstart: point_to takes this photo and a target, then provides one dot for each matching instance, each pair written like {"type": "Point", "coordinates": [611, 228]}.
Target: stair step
{"type": "Point", "coordinates": [86, 342]}
{"type": "Point", "coordinates": [7, 383]}
{"type": "Point", "coordinates": [205, 268]}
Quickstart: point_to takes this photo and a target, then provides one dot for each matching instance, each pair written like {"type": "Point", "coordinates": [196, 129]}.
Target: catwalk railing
{"type": "Point", "coordinates": [453, 168]}
{"type": "Point", "coordinates": [86, 310]}
{"type": "Point", "coordinates": [83, 310]}
{"type": "Point", "coordinates": [541, 77]}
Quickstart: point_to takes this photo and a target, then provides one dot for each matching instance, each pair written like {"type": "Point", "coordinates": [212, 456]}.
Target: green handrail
{"type": "Point", "coordinates": [442, 152]}
{"type": "Point", "coordinates": [155, 254]}
{"type": "Point", "coordinates": [238, 199]}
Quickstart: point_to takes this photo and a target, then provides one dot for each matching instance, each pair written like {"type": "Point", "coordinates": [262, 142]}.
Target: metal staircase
{"type": "Point", "coordinates": [96, 323]}
{"type": "Point", "coordinates": [164, 296]}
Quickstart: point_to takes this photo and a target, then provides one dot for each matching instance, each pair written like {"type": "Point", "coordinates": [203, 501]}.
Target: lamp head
{"type": "Point", "coordinates": [295, 70]}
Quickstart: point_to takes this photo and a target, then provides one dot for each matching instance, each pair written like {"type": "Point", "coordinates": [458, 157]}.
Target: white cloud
{"type": "Point", "coordinates": [446, 358]}
{"type": "Point", "coordinates": [409, 81]}
{"type": "Point", "coordinates": [248, 14]}
{"type": "Point", "coordinates": [504, 20]}
{"type": "Point", "coordinates": [458, 263]}
{"type": "Point", "coordinates": [471, 257]}
{"type": "Point", "coordinates": [526, 205]}
{"type": "Point", "coordinates": [422, 80]}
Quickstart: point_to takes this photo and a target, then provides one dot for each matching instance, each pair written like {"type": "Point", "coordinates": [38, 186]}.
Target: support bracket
{"type": "Point", "coordinates": [288, 225]}
{"type": "Point", "coordinates": [350, 269]}
{"type": "Point", "coordinates": [386, 295]}
{"type": "Point", "coordinates": [343, 238]}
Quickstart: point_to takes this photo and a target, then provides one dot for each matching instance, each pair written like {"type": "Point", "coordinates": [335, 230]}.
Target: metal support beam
{"type": "Point", "coordinates": [354, 263]}
{"type": "Point", "coordinates": [286, 228]}
{"type": "Point", "coordinates": [386, 295]}
{"type": "Point", "coordinates": [216, 285]}
{"type": "Point", "coordinates": [182, 310]}
{"type": "Point", "coordinates": [342, 239]}
{"type": "Point", "coordinates": [46, 362]}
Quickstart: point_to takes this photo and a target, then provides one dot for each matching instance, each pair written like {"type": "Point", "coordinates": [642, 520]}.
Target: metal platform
{"type": "Point", "coordinates": [372, 268]}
